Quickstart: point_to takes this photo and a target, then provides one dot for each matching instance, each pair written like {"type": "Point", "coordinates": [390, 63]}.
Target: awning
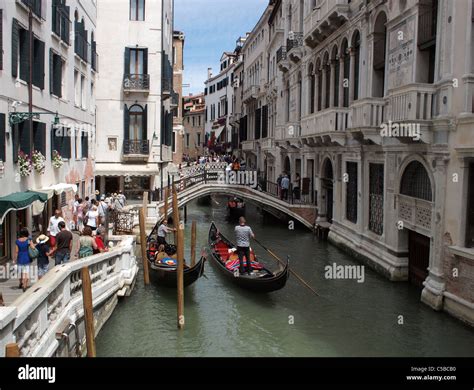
{"type": "Point", "coordinates": [110, 169]}
{"type": "Point", "coordinates": [218, 131]}
{"type": "Point", "coordinates": [56, 189]}
{"type": "Point", "coordinates": [19, 201]}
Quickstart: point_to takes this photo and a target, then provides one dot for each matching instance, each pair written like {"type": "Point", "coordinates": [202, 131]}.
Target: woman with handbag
{"type": "Point", "coordinates": [87, 243]}
{"type": "Point", "coordinates": [25, 252]}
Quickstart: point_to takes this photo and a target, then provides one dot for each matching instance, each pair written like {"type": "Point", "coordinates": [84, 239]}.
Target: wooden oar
{"type": "Point", "coordinates": [302, 281]}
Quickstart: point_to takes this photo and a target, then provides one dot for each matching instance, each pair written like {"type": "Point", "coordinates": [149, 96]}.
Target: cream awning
{"type": "Point", "coordinates": [110, 169]}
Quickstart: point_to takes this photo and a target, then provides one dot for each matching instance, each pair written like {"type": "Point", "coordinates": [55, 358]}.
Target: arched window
{"type": "Point", "coordinates": [312, 88]}
{"type": "Point", "coordinates": [327, 75]}
{"type": "Point", "coordinates": [416, 182]}
{"type": "Point", "coordinates": [356, 47]}
{"type": "Point", "coordinates": [379, 55]}
{"type": "Point", "coordinates": [347, 65]}
{"type": "Point", "coordinates": [320, 85]}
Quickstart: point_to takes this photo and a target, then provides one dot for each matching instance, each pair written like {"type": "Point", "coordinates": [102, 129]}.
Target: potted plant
{"type": "Point", "coordinates": [57, 160]}
{"type": "Point", "coordinates": [39, 161]}
{"type": "Point", "coordinates": [24, 164]}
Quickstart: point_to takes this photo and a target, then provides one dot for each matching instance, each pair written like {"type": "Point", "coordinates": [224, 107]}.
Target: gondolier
{"type": "Point", "coordinates": [163, 230]}
{"type": "Point", "coordinates": [242, 235]}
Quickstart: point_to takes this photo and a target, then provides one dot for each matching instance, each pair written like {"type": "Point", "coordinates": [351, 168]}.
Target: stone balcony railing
{"type": "Point", "coordinates": [413, 102]}
{"type": "Point", "coordinates": [367, 112]}
{"type": "Point", "coordinates": [415, 213]}
{"type": "Point", "coordinates": [248, 146]}
{"type": "Point", "coordinates": [54, 306]}
{"type": "Point", "coordinates": [251, 93]}
{"type": "Point", "coordinates": [267, 143]}
{"type": "Point", "coordinates": [328, 120]}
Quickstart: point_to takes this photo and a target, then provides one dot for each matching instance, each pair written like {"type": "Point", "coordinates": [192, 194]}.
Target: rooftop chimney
{"type": "Point", "coordinates": [209, 73]}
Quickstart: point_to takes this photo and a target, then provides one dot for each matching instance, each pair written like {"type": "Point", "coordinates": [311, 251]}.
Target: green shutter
{"type": "Point", "coordinates": [1, 39]}
{"type": "Point", "coordinates": [38, 69]}
{"type": "Point", "coordinates": [15, 47]}
{"type": "Point", "coordinates": [25, 145]}
{"type": "Point", "coordinates": [15, 142]}
{"type": "Point", "coordinates": [39, 137]}
{"type": "Point", "coordinates": [127, 61]}
{"type": "Point", "coordinates": [126, 124]}
{"type": "Point", "coordinates": [2, 136]}
{"type": "Point", "coordinates": [51, 72]}
{"type": "Point", "coordinates": [24, 56]}
{"type": "Point", "coordinates": [145, 61]}
{"type": "Point", "coordinates": [145, 123]}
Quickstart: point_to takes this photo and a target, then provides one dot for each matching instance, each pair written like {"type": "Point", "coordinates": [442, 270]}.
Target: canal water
{"type": "Point", "coordinates": [350, 319]}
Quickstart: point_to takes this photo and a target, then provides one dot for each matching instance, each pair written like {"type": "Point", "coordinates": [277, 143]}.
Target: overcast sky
{"type": "Point", "coordinates": [212, 27]}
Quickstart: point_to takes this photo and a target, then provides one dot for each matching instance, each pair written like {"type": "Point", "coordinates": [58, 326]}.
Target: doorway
{"type": "Point", "coordinates": [418, 258]}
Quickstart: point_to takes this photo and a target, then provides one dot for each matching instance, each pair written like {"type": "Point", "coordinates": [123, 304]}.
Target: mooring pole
{"type": "Point", "coordinates": [166, 203]}
{"type": "Point", "coordinates": [175, 215]}
{"type": "Point", "coordinates": [193, 243]}
{"type": "Point", "coordinates": [88, 311]}
{"type": "Point", "coordinates": [180, 276]}
{"type": "Point", "coordinates": [12, 350]}
{"type": "Point", "coordinates": [185, 214]}
{"type": "Point", "coordinates": [146, 275]}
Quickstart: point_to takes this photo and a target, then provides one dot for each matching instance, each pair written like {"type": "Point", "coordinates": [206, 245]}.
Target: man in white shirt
{"type": "Point", "coordinates": [53, 228]}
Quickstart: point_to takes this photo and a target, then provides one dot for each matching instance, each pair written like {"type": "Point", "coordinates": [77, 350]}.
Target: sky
{"type": "Point", "coordinates": [212, 27]}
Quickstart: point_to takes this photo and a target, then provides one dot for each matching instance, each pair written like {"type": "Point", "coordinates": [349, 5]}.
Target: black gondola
{"type": "Point", "coordinates": [166, 276]}
{"type": "Point", "coordinates": [261, 281]}
{"type": "Point", "coordinates": [236, 208]}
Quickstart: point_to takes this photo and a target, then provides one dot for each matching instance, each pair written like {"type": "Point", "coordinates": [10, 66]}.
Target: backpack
{"type": "Point", "coordinates": [85, 251]}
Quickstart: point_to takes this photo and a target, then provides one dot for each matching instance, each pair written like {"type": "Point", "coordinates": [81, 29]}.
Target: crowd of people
{"type": "Point", "coordinates": [89, 221]}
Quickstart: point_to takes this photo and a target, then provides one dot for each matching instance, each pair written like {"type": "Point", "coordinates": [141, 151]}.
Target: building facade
{"type": "Point", "coordinates": [194, 121]}
{"type": "Point", "coordinates": [373, 106]}
{"type": "Point", "coordinates": [134, 101]}
{"type": "Point", "coordinates": [60, 137]}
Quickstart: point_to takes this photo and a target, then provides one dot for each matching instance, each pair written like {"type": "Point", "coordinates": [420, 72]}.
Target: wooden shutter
{"type": "Point", "coordinates": [38, 70]}
{"type": "Point", "coordinates": [66, 30]}
{"type": "Point", "coordinates": [15, 142]}
{"type": "Point", "coordinates": [2, 136]}
{"type": "Point", "coordinates": [25, 145]}
{"type": "Point", "coordinates": [66, 144]}
{"type": "Point", "coordinates": [258, 122]}
{"type": "Point", "coordinates": [127, 61]}
{"type": "Point", "coordinates": [39, 137]}
{"type": "Point", "coordinates": [15, 47]}
{"type": "Point", "coordinates": [145, 122]}
{"type": "Point", "coordinates": [55, 140]}
{"type": "Point", "coordinates": [51, 72]}
{"type": "Point", "coordinates": [24, 56]}
{"type": "Point", "coordinates": [145, 61]}
{"type": "Point", "coordinates": [85, 145]}
{"type": "Point", "coordinates": [1, 39]}
{"type": "Point", "coordinates": [126, 123]}
{"type": "Point", "coordinates": [264, 121]}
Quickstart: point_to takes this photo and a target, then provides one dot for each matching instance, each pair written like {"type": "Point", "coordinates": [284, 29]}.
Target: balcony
{"type": "Point", "coordinates": [248, 146]}
{"type": "Point", "coordinates": [416, 214]}
{"type": "Point", "coordinates": [136, 83]}
{"type": "Point", "coordinates": [412, 102]}
{"type": "Point", "coordinates": [329, 16]}
{"type": "Point", "coordinates": [294, 46]}
{"type": "Point", "coordinates": [166, 87]}
{"type": "Point", "coordinates": [282, 60]}
{"type": "Point", "coordinates": [136, 150]}
{"type": "Point", "coordinates": [251, 93]}
{"type": "Point", "coordinates": [367, 113]}
{"type": "Point", "coordinates": [427, 25]}
{"type": "Point", "coordinates": [327, 127]}
{"type": "Point", "coordinates": [267, 144]}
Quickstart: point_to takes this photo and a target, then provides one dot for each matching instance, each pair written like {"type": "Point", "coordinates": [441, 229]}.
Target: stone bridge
{"type": "Point", "coordinates": [207, 182]}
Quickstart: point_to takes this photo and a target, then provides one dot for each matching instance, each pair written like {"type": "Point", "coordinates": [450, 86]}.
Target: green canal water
{"type": "Point", "coordinates": [350, 319]}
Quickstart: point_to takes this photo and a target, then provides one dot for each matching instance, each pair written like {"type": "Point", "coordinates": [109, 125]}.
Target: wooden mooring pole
{"type": "Point", "coordinates": [12, 350]}
{"type": "Point", "coordinates": [167, 194]}
{"type": "Point", "coordinates": [88, 311]}
{"type": "Point", "coordinates": [180, 276]}
{"type": "Point", "coordinates": [175, 215]}
{"type": "Point", "coordinates": [193, 243]}
{"type": "Point", "coordinates": [146, 274]}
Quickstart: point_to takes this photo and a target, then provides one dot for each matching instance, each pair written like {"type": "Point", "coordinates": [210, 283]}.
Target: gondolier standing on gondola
{"type": "Point", "coordinates": [163, 230]}
{"type": "Point", "coordinates": [242, 235]}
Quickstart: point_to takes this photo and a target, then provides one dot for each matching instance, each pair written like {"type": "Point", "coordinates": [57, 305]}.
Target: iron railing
{"type": "Point", "coordinates": [140, 147]}
{"type": "Point", "coordinates": [136, 82]}
{"type": "Point", "coordinates": [296, 40]}
{"type": "Point", "coordinates": [281, 54]}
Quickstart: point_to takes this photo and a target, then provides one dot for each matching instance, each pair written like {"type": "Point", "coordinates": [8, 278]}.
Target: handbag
{"type": "Point", "coordinates": [85, 251]}
{"type": "Point", "coordinates": [33, 253]}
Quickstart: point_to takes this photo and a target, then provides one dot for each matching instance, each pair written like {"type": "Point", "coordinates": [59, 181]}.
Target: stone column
{"type": "Point", "coordinates": [352, 76]}
{"type": "Point", "coordinates": [323, 89]}
{"type": "Point", "coordinates": [341, 81]}
{"type": "Point", "coordinates": [432, 294]}
{"type": "Point", "coordinates": [332, 81]}
{"type": "Point", "coordinates": [316, 91]}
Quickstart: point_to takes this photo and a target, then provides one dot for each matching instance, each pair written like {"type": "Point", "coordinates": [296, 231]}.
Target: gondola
{"type": "Point", "coordinates": [261, 280]}
{"type": "Point", "coordinates": [235, 208]}
{"type": "Point", "coordinates": [166, 275]}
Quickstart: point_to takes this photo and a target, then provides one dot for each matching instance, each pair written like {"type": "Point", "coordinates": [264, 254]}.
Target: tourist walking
{"type": "Point", "coordinates": [285, 185]}
{"type": "Point", "coordinates": [296, 187]}
{"type": "Point", "coordinates": [75, 210]}
{"type": "Point", "coordinates": [53, 227]}
{"type": "Point", "coordinates": [92, 218]}
{"type": "Point", "coordinates": [99, 240]}
{"type": "Point", "coordinates": [62, 252]}
{"type": "Point", "coordinates": [43, 255]}
{"type": "Point", "coordinates": [87, 243]}
{"type": "Point", "coordinates": [22, 257]}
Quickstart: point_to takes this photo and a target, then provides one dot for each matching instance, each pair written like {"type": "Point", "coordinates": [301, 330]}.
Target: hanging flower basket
{"type": "Point", "coordinates": [24, 164]}
{"type": "Point", "coordinates": [57, 160]}
{"type": "Point", "coordinates": [39, 162]}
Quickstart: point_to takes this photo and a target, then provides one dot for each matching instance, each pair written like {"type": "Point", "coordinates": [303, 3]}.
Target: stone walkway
{"type": "Point", "coordinates": [9, 287]}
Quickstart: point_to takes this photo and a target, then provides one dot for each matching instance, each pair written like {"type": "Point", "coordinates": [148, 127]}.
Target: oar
{"type": "Point", "coordinates": [291, 271]}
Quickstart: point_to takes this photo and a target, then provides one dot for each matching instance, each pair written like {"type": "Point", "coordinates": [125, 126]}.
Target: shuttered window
{"type": "Point", "coordinates": [351, 192]}
{"type": "Point", "coordinates": [25, 140]}
{"type": "Point", "coordinates": [61, 141]}
{"type": "Point", "coordinates": [39, 137]}
{"type": "Point", "coordinates": [15, 47]}
{"type": "Point", "coordinates": [258, 123]}
{"type": "Point", "coordinates": [56, 140]}
{"type": "Point", "coordinates": [85, 145]}
{"type": "Point", "coordinates": [20, 50]}
{"type": "Point", "coordinates": [264, 121]}
{"type": "Point", "coordinates": [60, 20]}
{"type": "Point", "coordinates": [2, 136]}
